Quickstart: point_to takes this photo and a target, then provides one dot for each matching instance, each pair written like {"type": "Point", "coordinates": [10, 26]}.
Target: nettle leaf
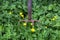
{"type": "Point", "coordinates": [5, 5]}
{"type": "Point", "coordinates": [1, 28]}
{"type": "Point", "coordinates": [57, 24]}
{"type": "Point", "coordinates": [12, 6]}
{"type": "Point", "coordinates": [47, 22]}
{"type": "Point", "coordinates": [50, 7]}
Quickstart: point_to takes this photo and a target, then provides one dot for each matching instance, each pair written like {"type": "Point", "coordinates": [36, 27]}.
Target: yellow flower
{"type": "Point", "coordinates": [31, 23]}
{"type": "Point", "coordinates": [45, 26]}
{"type": "Point", "coordinates": [22, 16]}
{"type": "Point", "coordinates": [32, 30]}
{"type": "Point", "coordinates": [10, 12]}
{"type": "Point", "coordinates": [55, 17]}
{"type": "Point", "coordinates": [24, 24]}
{"type": "Point", "coordinates": [21, 13]}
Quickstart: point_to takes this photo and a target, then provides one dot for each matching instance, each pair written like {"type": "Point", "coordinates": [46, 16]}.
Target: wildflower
{"type": "Point", "coordinates": [32, 30]}
{"type": "Point", "coordinates": [46, 27]}
{"type": "Point", "coordinates": [21, 13]}
{"type": "Point", "coordinates": [53, 19]}
{"type": "Point", "coordinates": [22, 16]}
{"type": "Point", "coordinates": [31, 23]}
{"type": "Point", "coordinates": [10, 12]}
{"type": "Point", "coordinates": [24, 24]}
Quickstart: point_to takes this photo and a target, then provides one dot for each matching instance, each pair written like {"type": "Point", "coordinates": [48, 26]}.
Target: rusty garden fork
{"type": "Point", "coordinates": [30, 13]}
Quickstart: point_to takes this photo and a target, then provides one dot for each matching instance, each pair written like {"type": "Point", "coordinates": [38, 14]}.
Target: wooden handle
{"type": "Point", "coordinates": [29, 9]}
